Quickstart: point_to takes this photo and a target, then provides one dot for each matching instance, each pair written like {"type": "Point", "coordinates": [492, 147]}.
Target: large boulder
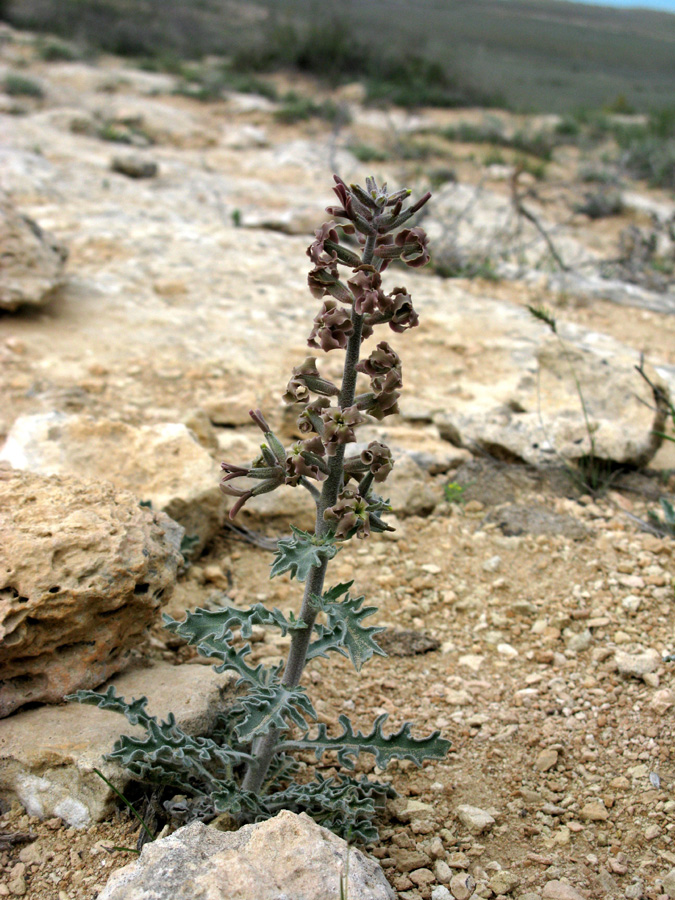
{"type": "Point", "coordinates": [32, 260]}
{"type": "Point", "coordinates": [48, 755]}
{"type": "Point", "coordinates": [164, 465]}
{"type": "Point", "coordinates": [83, 571]}
{"type": "Point", "coordinates": [287, 856]}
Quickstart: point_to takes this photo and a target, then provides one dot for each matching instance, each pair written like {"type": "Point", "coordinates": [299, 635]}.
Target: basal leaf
{"type": "Point", "coordinates": [399, 745]}
{"type": "Point", "coordinates": [135, 711]}
{"type": "Point", "coordinates": [300, 553]}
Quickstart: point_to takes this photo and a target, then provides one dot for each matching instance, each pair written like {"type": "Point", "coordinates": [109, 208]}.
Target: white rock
{"type": "Point", "coordinates": [637, 665]}
{"type": "Point", "coordinates": [289, 856]}
{"type": "Point", "coordinates": [474, 819]}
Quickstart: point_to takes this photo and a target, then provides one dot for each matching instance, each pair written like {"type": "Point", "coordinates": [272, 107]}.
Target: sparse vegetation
{"type": "Point", "coordinates": [20, 86]}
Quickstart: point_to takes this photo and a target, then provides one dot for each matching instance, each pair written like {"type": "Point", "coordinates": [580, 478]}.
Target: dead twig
{"type": "Point", "coordinates": [242, 533]}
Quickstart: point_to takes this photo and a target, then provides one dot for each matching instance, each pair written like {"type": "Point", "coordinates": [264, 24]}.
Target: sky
{"type": "Point", "coordinates": [667, 5]}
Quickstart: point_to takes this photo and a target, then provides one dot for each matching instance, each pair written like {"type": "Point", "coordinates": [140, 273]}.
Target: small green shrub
{"type": "Point", "coordinates": [57, 51]}
{"type": "Point", "coordinates": [19, 86]}
{"type": "Point", "coordinates": [296, 108]}
{"type": "Point", "coordinates": [366, 153]}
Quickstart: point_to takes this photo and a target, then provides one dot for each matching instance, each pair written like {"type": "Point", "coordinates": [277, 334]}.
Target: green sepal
{"type": "Point", "coordinates": [344, 625]}
{"type": "Point", "coordinates": [302, 552]}
{"type": "Point", "coordinates": [399, 745]}
{"type": "Point", "coordinates": [270, 707]}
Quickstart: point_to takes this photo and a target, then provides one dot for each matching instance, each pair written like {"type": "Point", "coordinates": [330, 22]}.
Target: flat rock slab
{"type": "Point", "coordinates": [289, 856]}
{"type": "Point", "coordinates": [164, 465]}
{"type": "Point", "coordinates": [48, 755]}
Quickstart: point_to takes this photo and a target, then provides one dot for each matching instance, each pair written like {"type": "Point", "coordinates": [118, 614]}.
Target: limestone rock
{"type": "Point", "coordinates": [163, 464]}
{"type": "Point", "coordinates": [462, 885]}
{"type": "Point", "coordinates": [542, 421]}
{"type": "Point", "coordinates": [287, 856]}
{"type": "Point", "coordinates": [637, 665]}
{"type": "Point", "coordinates": [32, 260]}
{"type": "Point", "coordinates": [474, 819]}
{"type": "Point", "coordinates": [408, 489]}
{"type": "Point", "coordinates": [84, 572]}
{"type": "Point", "coordinates": [48, 755]}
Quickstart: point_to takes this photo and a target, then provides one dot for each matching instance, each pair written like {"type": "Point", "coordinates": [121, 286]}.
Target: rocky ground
{"type": "Point", "coordinates": [540, 615]}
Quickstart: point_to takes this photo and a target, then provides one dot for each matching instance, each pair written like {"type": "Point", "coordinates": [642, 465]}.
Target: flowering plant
{"type": "Point", "coordinates": [244, 767]}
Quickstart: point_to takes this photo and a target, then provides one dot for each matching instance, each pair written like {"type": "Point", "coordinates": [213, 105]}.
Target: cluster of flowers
{"type": "Point", "coordinates": [356, 306]}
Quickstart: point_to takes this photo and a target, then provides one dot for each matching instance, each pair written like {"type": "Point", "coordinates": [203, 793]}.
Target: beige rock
{"type": "Point", "coordinates": [594, 811]}
{"type": "Point", "coordinates": [84, 572]}
{"type": "Point", "coordinates": [462, 886]}
{"type": "Point", "coordinates": [504, 882]}
{"type": "Point", "coordinates": [287, 856]}
{"type": "Point", "coordinates": [163, 464]}
{"type": "Point", "coordinates": [48, 755]}
{"type": "Point", "coordinates": [560, 890]}
{"type": "Point", "coordinates": [32, 260]}
{"type": "Point", "coordinates": [637, 665]}
{"type": "Point", "coordinates": [546, 760]}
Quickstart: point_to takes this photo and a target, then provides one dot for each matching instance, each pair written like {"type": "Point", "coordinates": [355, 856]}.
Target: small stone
{"type": "Point", "coordinates": [560, 890]}
{"type": "Point", "coordinates": [652, 832]}
{"type": "Point", "coordinates": [472, 661]}
{"type": "Point", "coordinates": [422, 877]}
{"type": "Point", "coordinates": [493, 564]}
{"type": "Point", "coordinates": [580, 642]}
{"type": "Point", "coordinates": [637, 665]}
{"type": "Point", "coordinates": [504, 882]}
{"type": "Point", "coordinates": [662, 701]}
{"type": "Point", "coordinates": [408, 860]}
{"type": "Point", "coordinates": [507, 650]}
{"type": "Point", "coordinates": [595, 811]}
{"type": "Point", "coordinates": [441, 893]}
{"type": "Point", "coordinates": [436, 850]}
{"type": "Point", "coordinates": [431, 568]}
{"type": "Point", "coordinates": [635, 891]}
{"type": "Point", "coordinates": [442, 871]}
{"type": "Point", "coordinates": [669, 883]}
{"type": "Point", "coordinates": [18, 886]}
{"type": "Point", "coordinates": [631, 604]}
{"type": "Point", "coordinates": [134, 165]}
{"type": "Point", "coordinates": [474, 819]}
{"type": "Point", "coordinates": [462, 886]}
{"type": "Point", "coordinates": [618, 864]}
{"type": "Point", "coordinates": [546, 760]}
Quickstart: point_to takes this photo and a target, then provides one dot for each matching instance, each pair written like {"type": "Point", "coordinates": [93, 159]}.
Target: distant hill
{"type": "Point", "coordinates": [532, 54]}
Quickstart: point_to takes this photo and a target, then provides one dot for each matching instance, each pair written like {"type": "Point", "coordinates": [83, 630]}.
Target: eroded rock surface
{"type": "Point", "coordinates": [287, 856]}
{"type": "Point", "coordinates": [32, 260]}
{"type": "Point", "coordinates": [164, 465]}
{"type": "Point", "coordinates": [83, 571]}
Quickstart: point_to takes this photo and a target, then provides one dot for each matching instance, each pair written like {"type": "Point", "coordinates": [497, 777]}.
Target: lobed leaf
{"type": "Point", "coordinates": [399, 745]}
{"type": "Point", "coordinates": [344, 625]}
{"type": "Point", "coordinates": [135, 711]}
{"type": "Point", "coordinates": [302, 552]}
{"type": "Point", "coordinates": [273, 707]}
{"type": "Point", "coordinates": [203, 623]}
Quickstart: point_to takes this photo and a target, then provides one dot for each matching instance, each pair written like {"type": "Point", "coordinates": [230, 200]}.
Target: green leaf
{"type": "Point", "coordinates": [400, 745]}
{"type": "Point", "coordinates": [259, 677]}
{"type": "Point", "coordinates": [202, 623]}
{"type": "Point", "coordinates": [135, 711]}
{"type": "Point", "coordinates": [273, 707]}
{"type": "Point", "coordinates": [230, 798]}
{"type": "Point", "coordinates": [344, 619]}
{"type": "Point", "coordinates": [302, 552]}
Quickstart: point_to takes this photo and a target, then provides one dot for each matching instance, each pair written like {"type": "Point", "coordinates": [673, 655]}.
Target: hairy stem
{"type": "Point", "coordinates": [265, 747]}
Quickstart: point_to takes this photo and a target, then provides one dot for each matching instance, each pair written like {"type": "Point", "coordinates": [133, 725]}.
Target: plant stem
{"type": "Point", "coordinates": [265, 747]}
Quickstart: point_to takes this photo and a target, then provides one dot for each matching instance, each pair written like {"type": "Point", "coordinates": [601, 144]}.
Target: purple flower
{"type": "Point", "coordinates": [338, 427]}
{"type": "Point", "coordinates": [350, 514]}
{"type": "Point", "coordinates": [317, 251]}
{"type": "Point", "coordinates": [381, 360]}
{"type": "Point", "coordinates": [365, 288]}
{"type": "Point", "coordinates": [306, 378]}
{"type": "Point", "coordinates": [332, 327]}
